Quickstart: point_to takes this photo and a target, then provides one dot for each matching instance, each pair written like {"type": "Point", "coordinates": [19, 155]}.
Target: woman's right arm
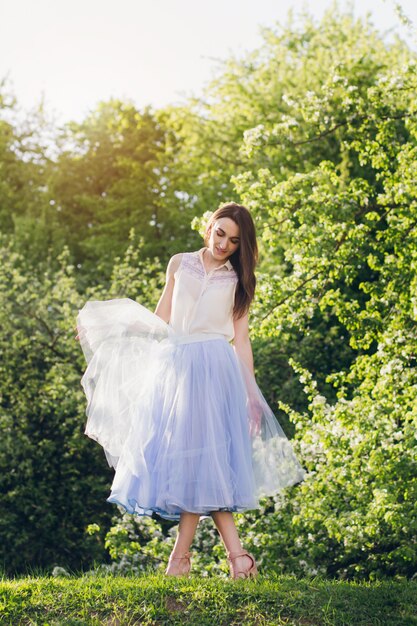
{"type": "Point", "coordinates": [163, 308]}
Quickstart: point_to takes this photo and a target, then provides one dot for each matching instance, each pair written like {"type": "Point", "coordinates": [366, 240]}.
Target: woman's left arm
{"type": "Point", "coordinates": [241, 341]}
{"type": "Point", "coordinates": [243, 350]}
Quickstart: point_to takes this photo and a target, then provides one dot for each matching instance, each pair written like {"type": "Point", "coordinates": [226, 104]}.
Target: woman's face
{"type": "Point", "coordinates": [224, 238]}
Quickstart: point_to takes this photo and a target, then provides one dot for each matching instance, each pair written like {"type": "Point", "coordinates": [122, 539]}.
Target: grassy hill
{"type": "Point", "coordinates": [156, 600]}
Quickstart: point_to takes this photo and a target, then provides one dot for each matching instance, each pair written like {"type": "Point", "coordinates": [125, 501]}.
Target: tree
{"type": "Point", "coordinates": [114, 173]}
{"type": "Point", "coordinates": [25, 208]}
{"type": "Point", "coordinates": [349, 227]}
{"type": "Point", "coordinates": [54, 480]}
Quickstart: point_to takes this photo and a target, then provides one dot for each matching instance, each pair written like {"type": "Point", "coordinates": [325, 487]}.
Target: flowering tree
{"type": "Point", "coordinates": [349, 227]}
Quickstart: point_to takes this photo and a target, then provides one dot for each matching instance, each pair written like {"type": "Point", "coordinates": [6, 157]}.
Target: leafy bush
{"type": "Point", "coordinates": [54, 480]}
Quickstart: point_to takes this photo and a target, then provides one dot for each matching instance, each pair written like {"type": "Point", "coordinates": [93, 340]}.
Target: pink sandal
{"type": "Point", "coordinates": [251, 572]}
{"type": "Point", "coordinates": [186, 557]}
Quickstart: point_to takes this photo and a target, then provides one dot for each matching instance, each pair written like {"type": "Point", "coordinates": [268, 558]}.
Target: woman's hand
{"type": "Point", "coordinates": [79, 332]}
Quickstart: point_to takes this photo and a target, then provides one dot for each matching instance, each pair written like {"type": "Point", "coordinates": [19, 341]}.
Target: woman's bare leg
{"type": "Point", "coordinates": [186, 531]}
{"type": "Point", "coordinates": [227, 528]}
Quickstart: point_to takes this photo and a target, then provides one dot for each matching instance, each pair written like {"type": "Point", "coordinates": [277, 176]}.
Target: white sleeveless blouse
{"type": "Point", "coordinates": [203, 302]}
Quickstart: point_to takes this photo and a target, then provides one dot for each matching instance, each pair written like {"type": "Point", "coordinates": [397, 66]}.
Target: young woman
{"type": "Point", "coordinates": [176, 407]}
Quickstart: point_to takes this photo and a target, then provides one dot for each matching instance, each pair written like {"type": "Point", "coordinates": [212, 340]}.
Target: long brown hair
{"type": "Point", "coordinates": [244, 259]}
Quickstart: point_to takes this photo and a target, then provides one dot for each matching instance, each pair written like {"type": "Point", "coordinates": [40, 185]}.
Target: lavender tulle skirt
{"type": "Point", "coordinates": [180, 418]}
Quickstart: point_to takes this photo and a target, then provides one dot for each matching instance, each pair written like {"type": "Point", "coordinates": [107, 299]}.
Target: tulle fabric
{"type": "Point", "coordinates": [180, 417]}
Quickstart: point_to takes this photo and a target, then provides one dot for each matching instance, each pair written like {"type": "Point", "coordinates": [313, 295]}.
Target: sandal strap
{"type": "Point", "coordinates": [234, 555]}
{"type": "Point", "coordinates": [186, 555]}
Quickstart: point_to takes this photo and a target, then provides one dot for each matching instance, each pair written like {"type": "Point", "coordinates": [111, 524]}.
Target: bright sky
{"type": "Point", "coordinates": [77, 52]}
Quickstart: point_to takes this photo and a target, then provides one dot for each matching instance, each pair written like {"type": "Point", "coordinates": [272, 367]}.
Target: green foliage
{"type": "Point", "coordinates": [354, 515]}
{"type": "Point", "coordinates": [25, 209]}
{"type": "Point", "coordinates": [115, 172]}
{"type": "Point", "coordinates": [54, 480]}
{"type": "Point", "coordinates": [135, 276]}
{"type": "Point", "coordinates": [349, 231]}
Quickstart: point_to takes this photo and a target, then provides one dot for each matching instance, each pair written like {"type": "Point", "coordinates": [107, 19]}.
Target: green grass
{"type": "Point", "coordinates": [157, 600]}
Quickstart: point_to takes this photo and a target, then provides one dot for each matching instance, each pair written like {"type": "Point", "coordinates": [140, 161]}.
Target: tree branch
{"type": "Point", "coordinates": [331, 130]}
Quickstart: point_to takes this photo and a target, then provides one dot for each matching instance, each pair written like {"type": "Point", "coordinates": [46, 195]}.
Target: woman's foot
{"type": "Point", "coordinates": [242, 565]}
{"type": "Point", "coordinates": [179, 565]}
